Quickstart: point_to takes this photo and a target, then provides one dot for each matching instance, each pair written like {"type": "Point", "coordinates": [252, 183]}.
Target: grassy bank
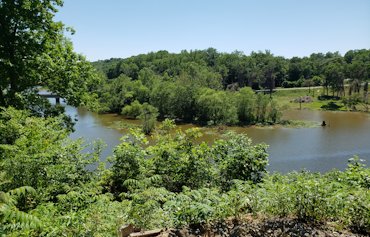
{"type": "Point", "coordinates": [286, 100]}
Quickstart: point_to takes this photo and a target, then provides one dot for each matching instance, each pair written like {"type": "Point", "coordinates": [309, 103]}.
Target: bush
{"type": "Point", "coordinates": [133, 110]}
{"type": "Point", "coordinates": [237, 158]}
{"type": "Point", "coordinates": [331, 106]}
{"type": "Point", "coordinates": [327, 97]}
{"type": "Point", "coordinates": [288, 84]}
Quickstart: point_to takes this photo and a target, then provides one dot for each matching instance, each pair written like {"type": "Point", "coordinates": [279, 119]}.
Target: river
{"type": "Point", "coordinates": [318, 149]}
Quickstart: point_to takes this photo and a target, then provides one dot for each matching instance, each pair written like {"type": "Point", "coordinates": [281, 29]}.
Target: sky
{"type": "Point", "coordinates": [123, 28]}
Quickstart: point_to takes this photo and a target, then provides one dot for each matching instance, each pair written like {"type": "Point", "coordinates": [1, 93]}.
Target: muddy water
{"type": "Point", "coordinates": [315, 149]}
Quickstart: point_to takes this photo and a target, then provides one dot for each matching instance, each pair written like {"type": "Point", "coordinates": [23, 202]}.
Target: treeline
{"type": "Point", "coordinates": [258, 70]}
{"type": "Point", "coordinates": [188, 102]}
{"type": "Point", "coordinates": [204, 85]}
{"type": "Point", "coordinates": [48, 186]}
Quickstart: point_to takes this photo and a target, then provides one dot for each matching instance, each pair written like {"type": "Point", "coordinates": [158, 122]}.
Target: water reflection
{"type": "Point", "coordinates": [90, 128]}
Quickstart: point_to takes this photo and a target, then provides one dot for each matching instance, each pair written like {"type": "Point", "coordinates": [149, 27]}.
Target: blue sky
{"type": "Point", "coordinates": [123, 28]}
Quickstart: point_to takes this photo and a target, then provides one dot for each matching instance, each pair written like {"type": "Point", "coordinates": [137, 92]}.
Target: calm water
{"type": "Point", "coordinates": [315, 149]}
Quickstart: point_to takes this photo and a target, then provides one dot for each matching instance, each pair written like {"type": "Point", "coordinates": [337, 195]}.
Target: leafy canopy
{"type": "Point", "coordinates": [34, 53]}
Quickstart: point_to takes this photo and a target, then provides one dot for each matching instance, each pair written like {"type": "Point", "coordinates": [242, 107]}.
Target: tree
{"type": "Point", "coordinates": [262, 102]}
{"type": "Point", "coordinates": [334, 77]}
{"type": "Point", "coordinates": [366, 96]}
{"type": "Point", "coordinates": [246, 102]}
{"type": "Point", "coordinates": [270, 68]}
{"type": "Point", "coordinates": [201, 76]}
{"type": "Point", "coordinates": [161, 97]}
{"type": "Point", "coordinates": [254, 73]}
{"type": "Point", "coordinates": [216, 107]}
{"type": "Point", "coordinates": [184, 101]}
{"type": "Point", "coordinates": [34, 52]}
{"type": "Point", "coordinates": [295, 69]}
{"type": "Point", "coordinates": [149, 116]}
{"type": "Point", "coordinates": [235, 67]}
{"type": "Point", "coordinates": [308, 83]}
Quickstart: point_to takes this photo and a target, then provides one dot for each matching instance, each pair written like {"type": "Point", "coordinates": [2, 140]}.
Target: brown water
{"type": "Point", "coordinates": [315, 149]}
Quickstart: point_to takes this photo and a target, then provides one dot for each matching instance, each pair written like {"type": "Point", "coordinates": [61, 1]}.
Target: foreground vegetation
{"type": "Point", "coordinates": [50, 187]}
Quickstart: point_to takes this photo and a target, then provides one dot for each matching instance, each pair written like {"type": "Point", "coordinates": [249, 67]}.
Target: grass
{"type": "Point", "coordinates": [285, 99]}
{"type": "Point", "coordinates": [124, 125]}
{"type": "Point", "coordinates": [299, 124]}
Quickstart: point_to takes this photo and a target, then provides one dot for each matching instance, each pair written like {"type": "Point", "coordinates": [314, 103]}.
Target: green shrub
{"type": "Point", "coordinates": [133, 110]}
{"type": "Point", "coordinates": [237, 158]}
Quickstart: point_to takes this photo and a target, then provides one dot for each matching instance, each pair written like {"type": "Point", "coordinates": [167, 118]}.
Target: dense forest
{"type": "Point", "coordinates": [209, 87]}
{"type": "Point", "coordinates": [52, 185]}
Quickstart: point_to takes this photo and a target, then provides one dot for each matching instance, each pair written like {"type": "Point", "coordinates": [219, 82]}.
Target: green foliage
{"type": "Point", "coordinates": [237, 158]}
{"type": "Point", "coordinates": [193, 89]}
{"type": "Point", "coordinates": [356, 173]}
{"type": "Point", "coordinates": [331, 106]}
{"type": "Point", "coordinates": [189, 86]}
{"type": "Point", "coordinates": [149, 116]}
{"type": "Point", "coordinates": [194, 206]}
{"type": "Point", "coordinates": [133, 110]}
{"type": "Point", "coordinates": [127, 161]}
{"type": "Point", "coordinates": [215, 107]}
{"type": "Point", "coordinates": [161, 96]}
{"type": "Point", "coordinates": [317, 81]}
{"type": "Point", "coordinates": [274, 113]}
{"type": "Point", "coordinates": [174, 80]}
{"type": "Point", "coordinates": [122, 91]}
{"type": "Point", "coordinates": [34, 53]}
{"type": "Point", "coordinates": [37, 153]}
{"type": "Point", "coordinates": [351, 101]}
{"type": "Point", "coordinates": [12, 121]}
{"type": "Point", "coordinates": [238, 200]}
{"type": "Point", "coordinates": [173, 181]}
{"type": "Point", "coordinates": [146, 199]}
{"type": "Point", "coordinates": [246, 102]}
{"type": "Point", "coordinates": [11, 218]}
{"type": "Point", "coordinates": [180, 161]}
{"type": "Point", "coordinates": [183, 101]}
{"type": "Point", "coordinates": [102, 217]}
{"type": "Point", "coordinates": [310, 197]}
{"type": "Point", "coordinates": [334, 77]}
{"type": "Point", "coordinates": [342, 197]}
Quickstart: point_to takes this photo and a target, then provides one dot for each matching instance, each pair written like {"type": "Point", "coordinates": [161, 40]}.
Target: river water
{"type": "Point", "coordinates": [316, 149]}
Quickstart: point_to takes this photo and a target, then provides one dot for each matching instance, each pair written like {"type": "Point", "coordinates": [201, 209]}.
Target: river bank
{"type": "Point", "coordinates": [288, 98]}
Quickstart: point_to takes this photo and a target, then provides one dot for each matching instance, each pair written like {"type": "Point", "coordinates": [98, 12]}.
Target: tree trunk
{"type": "Point", "coordinates": [2, 99]}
